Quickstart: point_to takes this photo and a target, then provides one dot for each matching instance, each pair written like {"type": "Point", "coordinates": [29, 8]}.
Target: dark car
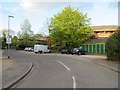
{"type": "Point", "coordinates": [69, 51]}
{"type": "Point", "coordinates": [78, 51]}
{"type": "Point", "coordinates": [66, 51]}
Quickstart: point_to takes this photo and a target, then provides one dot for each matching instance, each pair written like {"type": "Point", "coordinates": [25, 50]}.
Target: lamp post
{"type": "Point", "coordinates": [8, 38]}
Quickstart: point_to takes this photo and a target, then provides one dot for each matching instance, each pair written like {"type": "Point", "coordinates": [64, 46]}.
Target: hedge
{"type": "Point", "coordinates": [113, 46]}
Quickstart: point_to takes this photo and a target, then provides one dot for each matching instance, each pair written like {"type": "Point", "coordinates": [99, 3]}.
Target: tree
{"type": "Point", "coordinates": [14, 42]}
{"type": "Point", "coordinates": [25, 36]}
{"type": "Point", "coordinates": [4, 36]}
{"type": "Point", "coordinates": [36, 37]}
{"type": "Point", "coordinates": [3, 39]}
{"type": "Point", "coordinates": [11, 32]}
{"type": "Point", "coordinates": [19, 34]}
{"type": "Point", "coordinates": [113, 46]}
{"type": "Point", "coordinates": [46, 27]}
{"type": "Point", "coordinates": [70, 28]}
{"type": "Point", "coordinates": [26, 31]}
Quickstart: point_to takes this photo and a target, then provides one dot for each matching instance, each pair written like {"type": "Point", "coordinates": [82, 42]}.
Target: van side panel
{"type": "Point", "coordinates": [43, 48]}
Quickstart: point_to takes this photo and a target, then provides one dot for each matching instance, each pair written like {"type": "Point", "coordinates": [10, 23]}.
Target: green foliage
{"type": "Point", "coordinates": [14, 42]}
{"type": "Point", "coordinates": [26, 31]}
{"type": "Point", "coordinates": [5, 35]}
{"type": "Point", "coordinates": [25, 37]}
{"type": "Point", "coordinates": [3, 39]}
{"type": "Point", "coordinates": [113, 46]}
{"type": "Point", "coordinates": [70, 28]}
{"type": "Point", "coordinates": [37, 36]}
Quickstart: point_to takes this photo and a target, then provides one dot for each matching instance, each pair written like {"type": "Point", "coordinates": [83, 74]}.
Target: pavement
{"type": "Point", "coordinates": [102, 60]}
{"type": "Point", "coordinates": [13, 70]}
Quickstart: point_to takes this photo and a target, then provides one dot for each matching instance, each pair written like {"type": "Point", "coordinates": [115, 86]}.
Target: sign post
{"type": "Point", "coordinates": [8, 39]}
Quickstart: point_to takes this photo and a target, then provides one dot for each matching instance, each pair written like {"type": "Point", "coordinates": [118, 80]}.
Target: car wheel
{"type": "Point", "coordinates": [84, 53]}
{"type": "Point", "coordinates": [41, 52]}
{"type": "Point", "coordinates": [79, 53]}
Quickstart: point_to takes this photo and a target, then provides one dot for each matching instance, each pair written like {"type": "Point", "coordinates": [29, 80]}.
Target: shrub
{"type": "Point", "coordinates": [113, 46]}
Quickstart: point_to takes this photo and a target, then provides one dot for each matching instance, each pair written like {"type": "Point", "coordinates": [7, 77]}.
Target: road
{"type": "Point", "coordinates": [65, 71]}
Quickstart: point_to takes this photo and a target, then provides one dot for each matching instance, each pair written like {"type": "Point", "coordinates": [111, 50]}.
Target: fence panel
{"type": "Point", "coordinates": [90, 48]}
{"type": "Point", "coordinates": [87, 48]}
{"type": "Point", "coordinates": [94, 48]}
{"type": "Point", "coordinates": [98, 48]}
{"type": "Point", "coordinates": [102, 48]}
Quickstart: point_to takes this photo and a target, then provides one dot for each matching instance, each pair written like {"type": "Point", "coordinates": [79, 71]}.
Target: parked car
{"type": "Point", "coordinates": [26, 49]}
{"type": "Point", "coordinates": [78, 51]}
{"type": "Point", "coordinates": [29, 49]}
{"type": "Point", "coordinates": [69, 51]}
{"type": "Point", "coordinates": [66, 51]}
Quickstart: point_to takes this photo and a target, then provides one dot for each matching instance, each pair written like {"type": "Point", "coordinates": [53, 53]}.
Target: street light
{"type": "Point", "coordinates": [8, 38]}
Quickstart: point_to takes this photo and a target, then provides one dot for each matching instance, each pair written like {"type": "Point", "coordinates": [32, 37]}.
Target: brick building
{"type": "Point", "coordinates": [104, 31]}
{"type": "Point", "coordinates": [96, 44]}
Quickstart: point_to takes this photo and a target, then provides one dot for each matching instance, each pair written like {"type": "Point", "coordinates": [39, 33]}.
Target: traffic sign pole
{"type": "Point", "coordinates": [8, 33]}
{"type": "Point", "coordinates": [8, 41]}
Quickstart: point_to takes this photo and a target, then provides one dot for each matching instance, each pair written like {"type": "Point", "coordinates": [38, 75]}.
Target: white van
{"type": "Point", "coordinates": [41, 49]}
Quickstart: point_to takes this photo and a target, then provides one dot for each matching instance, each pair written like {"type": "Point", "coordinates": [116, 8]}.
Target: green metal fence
{"type": "Point", "coordinates": [98, 48]}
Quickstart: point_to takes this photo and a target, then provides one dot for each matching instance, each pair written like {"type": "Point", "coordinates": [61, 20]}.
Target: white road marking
{"type": "Point", "coordinates": [73, 78]}
{"type": "Point", "coordinates": [64, 65]}
{"type": "Point", "coordinates": [74, 83]}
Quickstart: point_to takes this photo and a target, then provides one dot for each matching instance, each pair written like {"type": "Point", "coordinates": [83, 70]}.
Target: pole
{"type": "Point", "coordinates": [8, 35]}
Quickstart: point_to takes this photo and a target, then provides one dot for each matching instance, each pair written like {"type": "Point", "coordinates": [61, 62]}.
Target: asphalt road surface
{"type": "Point", "coordinates": [65, 71]}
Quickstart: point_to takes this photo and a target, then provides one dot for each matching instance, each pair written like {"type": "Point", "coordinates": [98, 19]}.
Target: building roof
{"type": "Point", "coordinates": [41, 39]}
{"type": "Point", "coordinates": [101, 28]}
{"type": "Point", "coordinates": [96, 40]}
{"type": "Point", "coordinates": [105, 28]}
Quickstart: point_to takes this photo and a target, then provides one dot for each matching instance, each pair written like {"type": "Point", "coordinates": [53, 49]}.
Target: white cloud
{"type": "Point", "coordinates": [13, 10]}
{"type": "Point", "coordinates": [29, 6]}
{"type": "Point", "coordinates": [32, 6]}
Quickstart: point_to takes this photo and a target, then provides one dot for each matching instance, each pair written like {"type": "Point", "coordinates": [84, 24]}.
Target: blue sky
{"type": "Point", "coordinates": [101, 13]}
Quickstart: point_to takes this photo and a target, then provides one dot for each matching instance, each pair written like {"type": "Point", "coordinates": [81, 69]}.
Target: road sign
{"type": "Point", "coordinates": [8, 40]}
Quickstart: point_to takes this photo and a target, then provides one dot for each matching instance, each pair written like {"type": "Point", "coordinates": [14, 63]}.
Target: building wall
{"type": "Point", "coordinates": [97, 45]}
{"type": "Point", "coordinates": [104, 31]}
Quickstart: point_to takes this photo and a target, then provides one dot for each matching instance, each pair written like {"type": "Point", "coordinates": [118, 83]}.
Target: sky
{"type": "Point", "coordinates": [39, 12]}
